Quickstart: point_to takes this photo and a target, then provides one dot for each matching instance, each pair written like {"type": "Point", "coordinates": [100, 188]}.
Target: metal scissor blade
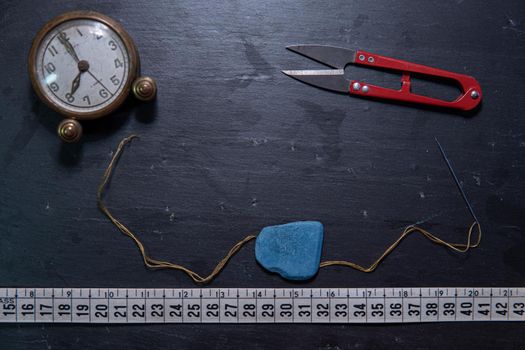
{"type": "Point", "coordinates": [336, 57]}
{"type": "Point", "coordinates": [330, 79]}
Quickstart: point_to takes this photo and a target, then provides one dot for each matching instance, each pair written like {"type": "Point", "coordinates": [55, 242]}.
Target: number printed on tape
{"type": "Point", "coordinates": [261, 305]}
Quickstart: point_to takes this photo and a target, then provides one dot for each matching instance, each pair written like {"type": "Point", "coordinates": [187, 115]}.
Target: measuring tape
{"type": "Point", "coordinates": [267, 305]}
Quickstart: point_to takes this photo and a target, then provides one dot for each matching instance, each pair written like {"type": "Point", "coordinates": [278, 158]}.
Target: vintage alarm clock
{"type": "Point", "coordinates": [83, 65]}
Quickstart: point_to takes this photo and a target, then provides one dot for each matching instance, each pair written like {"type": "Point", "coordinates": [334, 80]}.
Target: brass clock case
{"type": "Point", "coordinates": [133, 67]}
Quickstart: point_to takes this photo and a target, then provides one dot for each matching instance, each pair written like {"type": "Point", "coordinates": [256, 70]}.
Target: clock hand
{"type": "Point", "coordinates": [99, 82]}
{"type": "Point", "coordinates": [69, 48]}
{"type": "Point", "coordinates": [83, 66]}
{"type": "Point", "coordinates": [76, 83]}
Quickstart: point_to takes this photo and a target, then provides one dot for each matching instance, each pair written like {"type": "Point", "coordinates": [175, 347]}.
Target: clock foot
{"type": "Point", "coordinates": [69, 130]}
{"type": "Point", "coordinates": [144, 88]}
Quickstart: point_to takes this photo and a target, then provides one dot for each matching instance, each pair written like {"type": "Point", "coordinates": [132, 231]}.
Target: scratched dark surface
{"type": "Point", "coordinates": [232, 145]}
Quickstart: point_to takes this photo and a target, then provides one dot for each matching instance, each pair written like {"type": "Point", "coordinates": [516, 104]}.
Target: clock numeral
{"type": "Point", "coordinates": [112, 45]}
{"type": "Point", "coordinates": [53, 50]}
{"type": "Point", "coordinates": [103, 93]}
{"type": "Point", "coordinates": [79, 32]}
{"type": "Point", "coordinates": [54, 87]}
{"type": "Point", "coordinates": [70, 98]}
{"type": "Point", "coordinates": [118, 64]}
{"type": "Point", "coordinates": [114, 80]}
{"type": "Point", "coordinates": [98, 36]}
{"type": "Point", "coordinates": [86, 99]}
{"type": "Point", "coordinates": [50, 68]}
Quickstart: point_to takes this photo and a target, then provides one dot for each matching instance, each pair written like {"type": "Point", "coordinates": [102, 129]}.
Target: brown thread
{"type": "Point", "coordinates": [158, 264]}
{"type": "Point", "coordinates": [458, 247]}
{"type": "Point", "coordinates": [149, 262]}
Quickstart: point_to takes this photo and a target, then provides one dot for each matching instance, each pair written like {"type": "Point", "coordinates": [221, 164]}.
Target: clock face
{"type": "Point", "coordinates": [82, 67]}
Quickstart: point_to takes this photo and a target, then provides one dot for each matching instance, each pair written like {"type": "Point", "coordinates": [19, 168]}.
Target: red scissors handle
{"type": "Point", "coordinates": [469, 98]}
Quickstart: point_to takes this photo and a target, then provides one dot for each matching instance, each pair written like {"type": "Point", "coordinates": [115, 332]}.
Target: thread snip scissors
{"type": "Point", "coordinates": [338, 58]}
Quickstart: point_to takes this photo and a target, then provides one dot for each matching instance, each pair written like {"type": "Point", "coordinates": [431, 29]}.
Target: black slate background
{"type": "Point", "coordinates": [232, 145]}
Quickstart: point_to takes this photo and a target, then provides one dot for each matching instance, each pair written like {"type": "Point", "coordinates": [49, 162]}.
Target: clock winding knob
{"type": "Point", "coordinates": [144, 88]}
{"type": "Point", "coordinates": [69, 130]}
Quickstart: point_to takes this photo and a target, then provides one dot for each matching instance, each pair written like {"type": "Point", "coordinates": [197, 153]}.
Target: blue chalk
{"type": "Point", "coordinates": [292, 250]}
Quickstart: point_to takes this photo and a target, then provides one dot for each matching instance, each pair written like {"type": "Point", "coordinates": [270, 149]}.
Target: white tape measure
{"type": "Point", "coordinates": [268, 305]}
